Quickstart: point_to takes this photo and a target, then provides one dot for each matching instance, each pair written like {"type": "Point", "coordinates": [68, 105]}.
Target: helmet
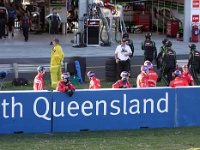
{"type": "Point", "coordinates": [144, 69]}
{"type": "Point", "coordinates": [164, 41]}
{"type": "Point", "coordinates": [148, 35]}
{"type": "Point", "coordinates": [40, 69]}
{"type": "Point", "coordinates": [177, 73]}
{"type": "Point", "coordinates": [90, 74]}
{"type": "Point", "coordinates": [65, 77]}
{"type": "Point", "coordinates": [192, 46]}
{"type": "Point", "coordinates": [125, 35]}
{"type": "Point", "coordinates": [168, 44]}
{"type": "Point", "coordinates": [148, 64]}
{"type": "Point", "coordinates": [124, 74]}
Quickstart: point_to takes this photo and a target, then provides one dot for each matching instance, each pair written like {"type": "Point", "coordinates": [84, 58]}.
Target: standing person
{"type": "Point", "coordinates": [142, 78]}
{"type": "Point", "coordinates": [159, 57]}
{"type": "Point", "coordinates": [168, 63]}
{"type": "Point", "coordinates": [55, 21]}
{"type": "Point", "coordinates": [194, 63]}
{"type": "Point", "coordinates": [3, 19]}
{"type": "Point", "coordinates": [187, 76]}
{"type": "Point", "coordinates": [129, 42]}
{"type": "Point", "coordinates": [178, 81]}
{"type": "Point", "coordinates": [149, 47]}
{"type": "Point", "coordinates": [38, 83]}
{"type": "Point", "coordinates": [152, 75]}
{"type": "Point", "coordinates": [25, 24]}
{"type": "Point", "coordinates": [64, 85]}
{"type": "Point", "coordinates": [95, 83]}
{"type": "Point", "coordinates": [57, 57]}
{"type": "Point", "coordinates": [122, 57]}
{"type": "Point", "coordinates": [11, 19]}
{"type": "Point", "coordinates": [123, 82]}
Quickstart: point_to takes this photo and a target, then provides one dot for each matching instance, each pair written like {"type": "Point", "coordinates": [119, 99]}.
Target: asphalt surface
{"type": "Point", "coordinates": [37, 50]}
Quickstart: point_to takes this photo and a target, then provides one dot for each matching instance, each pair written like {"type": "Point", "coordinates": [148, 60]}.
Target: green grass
{"type": "Point", "coordinates": [143, 139]}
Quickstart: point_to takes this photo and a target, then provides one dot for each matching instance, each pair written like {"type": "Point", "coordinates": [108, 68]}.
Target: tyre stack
{"type": "Point", "coordinates": [110, 70]}
{"type": "Point", "coordinates": [72, 69]}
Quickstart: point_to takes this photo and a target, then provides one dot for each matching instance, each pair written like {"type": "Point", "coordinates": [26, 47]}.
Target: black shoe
{"type": "Point", "coordinates": [12, 35]}
{"type": "Point", "coordinates": [6, 34]}
{"type": "Point", "coordinates": [51, 43]}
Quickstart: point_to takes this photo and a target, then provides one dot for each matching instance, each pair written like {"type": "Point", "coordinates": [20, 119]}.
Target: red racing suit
{"type": "Point", "coordinates": [38, 83]}
{"type": "Point", "coordinates": [142, 80]}
{"type": "Point", "coordinates": [152, 78]}
{"type": "Point", "coordinates": [94, 83]}
{"type": "Point", "coordinates": [64, 87]}
{"type": "Point", "coordinates": [120, 84]}
{"type": "Point", "coordinates": [178, 81]}
{"type": "Point", "coordinates": [188, 77]}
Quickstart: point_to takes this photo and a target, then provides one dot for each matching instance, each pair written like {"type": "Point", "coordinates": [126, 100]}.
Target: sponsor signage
{"type": "Point", "coordinates": [195, 18]}
{"type": "Point", "coordinates": [195, 4]}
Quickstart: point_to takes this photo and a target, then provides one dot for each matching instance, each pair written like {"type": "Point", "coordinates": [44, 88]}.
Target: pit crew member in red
{"type": "Point", "coordinates": [142, 78]}
{"type": "Point", "coordinates": [38, 83]}
{"type": "Point", "coordinates": [187, 76]}
{"type": "Point", "coordinates": [95, 83]}
{"type": "Point", "coordinates": [152, 75]}
{"type": "Point", "coordinates": [64, 85]}
{"type": "Point", "coordinates": [123, 82]}
{"type": "Point", "coordinates": [178, 81]}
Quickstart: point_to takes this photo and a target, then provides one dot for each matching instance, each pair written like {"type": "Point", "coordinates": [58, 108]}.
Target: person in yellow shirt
{"type": "Point", "coordinates": [57, 57]}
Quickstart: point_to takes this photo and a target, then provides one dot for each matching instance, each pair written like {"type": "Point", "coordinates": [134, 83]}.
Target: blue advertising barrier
{"type": "Point", "coordinates": [25, 112]}
{"type": "Point", "coordinates": [113, 109]}
{"type": "Point", "coordinates": [188, 107]}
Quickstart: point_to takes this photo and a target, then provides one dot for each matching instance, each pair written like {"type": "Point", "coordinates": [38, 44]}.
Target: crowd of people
{"type": "Point", "coordinates": [172, 74]}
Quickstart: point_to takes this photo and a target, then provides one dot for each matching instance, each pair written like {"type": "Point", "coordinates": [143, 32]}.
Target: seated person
{"type": "Point", "coordinates": [64, 85]}
{"type": "Point", "coordinates": [123, 82]}
{"type": "Point", "coordinates": [95, 83]}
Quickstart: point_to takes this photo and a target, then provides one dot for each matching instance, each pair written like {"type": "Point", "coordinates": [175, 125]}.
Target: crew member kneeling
{"type": "Point", "coordinates": [64, 85]}
{"type": "Point", "coordinates": [178, 81]}
{"type": "Point", "coordinates": [123, 82]}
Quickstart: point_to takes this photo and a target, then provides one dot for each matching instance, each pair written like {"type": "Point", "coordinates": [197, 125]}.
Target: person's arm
{"type": "Point", "coordinates": [116, 57]}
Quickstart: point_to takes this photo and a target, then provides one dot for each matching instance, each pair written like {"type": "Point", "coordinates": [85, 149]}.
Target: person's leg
{"type": "Point", "coordinates": [194, 75]}
{"type": "Point", "coordinates": [119, 69]}
{"type": "Point", "coordinates": [26, 34]}
{"type": "Point", "coordinates": [54, 76]}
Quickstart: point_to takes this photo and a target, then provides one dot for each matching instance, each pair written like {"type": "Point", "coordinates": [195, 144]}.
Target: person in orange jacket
{"type": "Point", "coordinates": [187, 76]}
{"type": "Point", "coordinates": [123, 82]}
{"type": "Point", "coordinates": [64, 85]}
{"type": "Point", "coordinates": [142, 78]}
{"type": "Point", "coordinates": [38, 83]}
{"type": "Point", "coordinates": [178, 81]}
{"type": "Point", "coordinates": [152, 75]}
{"type": "Point", "coordinates": [95, 83]}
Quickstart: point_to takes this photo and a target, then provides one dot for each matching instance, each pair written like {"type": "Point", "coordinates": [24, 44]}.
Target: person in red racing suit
{"type": "Point", "coordinates": [64, 85]}
{"type": "Point", "coordinates": [38, 83]}
{"type": "Point", "coordinates": [95, 83]}
{"type": "Point", "coordinates": [142, 78]}
{"type": "Point", "coordinates": [178, 81]}
{"type": "Point", "coordinates": [123, 82]}
{"type": "Point", "coordinates": [187, 76]}
{"type": "Point", "coordinates": [152, 75]}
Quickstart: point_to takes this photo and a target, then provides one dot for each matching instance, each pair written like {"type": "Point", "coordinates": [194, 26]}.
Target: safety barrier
{"type": "Point", "coordinates": [26, 68]}
{"type": "Point", "coordinates": [102, 109]}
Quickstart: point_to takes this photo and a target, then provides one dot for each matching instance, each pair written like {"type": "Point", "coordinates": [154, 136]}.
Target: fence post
{"type": "Point", "coordinates": [15, 68]}
{"type": "Point", "coordinates": [65, 66]}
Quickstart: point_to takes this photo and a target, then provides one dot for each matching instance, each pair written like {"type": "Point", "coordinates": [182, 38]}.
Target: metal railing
{"type": "Point", "coordinates": [26, 68]}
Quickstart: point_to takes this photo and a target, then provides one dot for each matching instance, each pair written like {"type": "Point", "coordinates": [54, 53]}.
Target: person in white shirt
{"type": "Point", "coordinates": [122, 57]}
